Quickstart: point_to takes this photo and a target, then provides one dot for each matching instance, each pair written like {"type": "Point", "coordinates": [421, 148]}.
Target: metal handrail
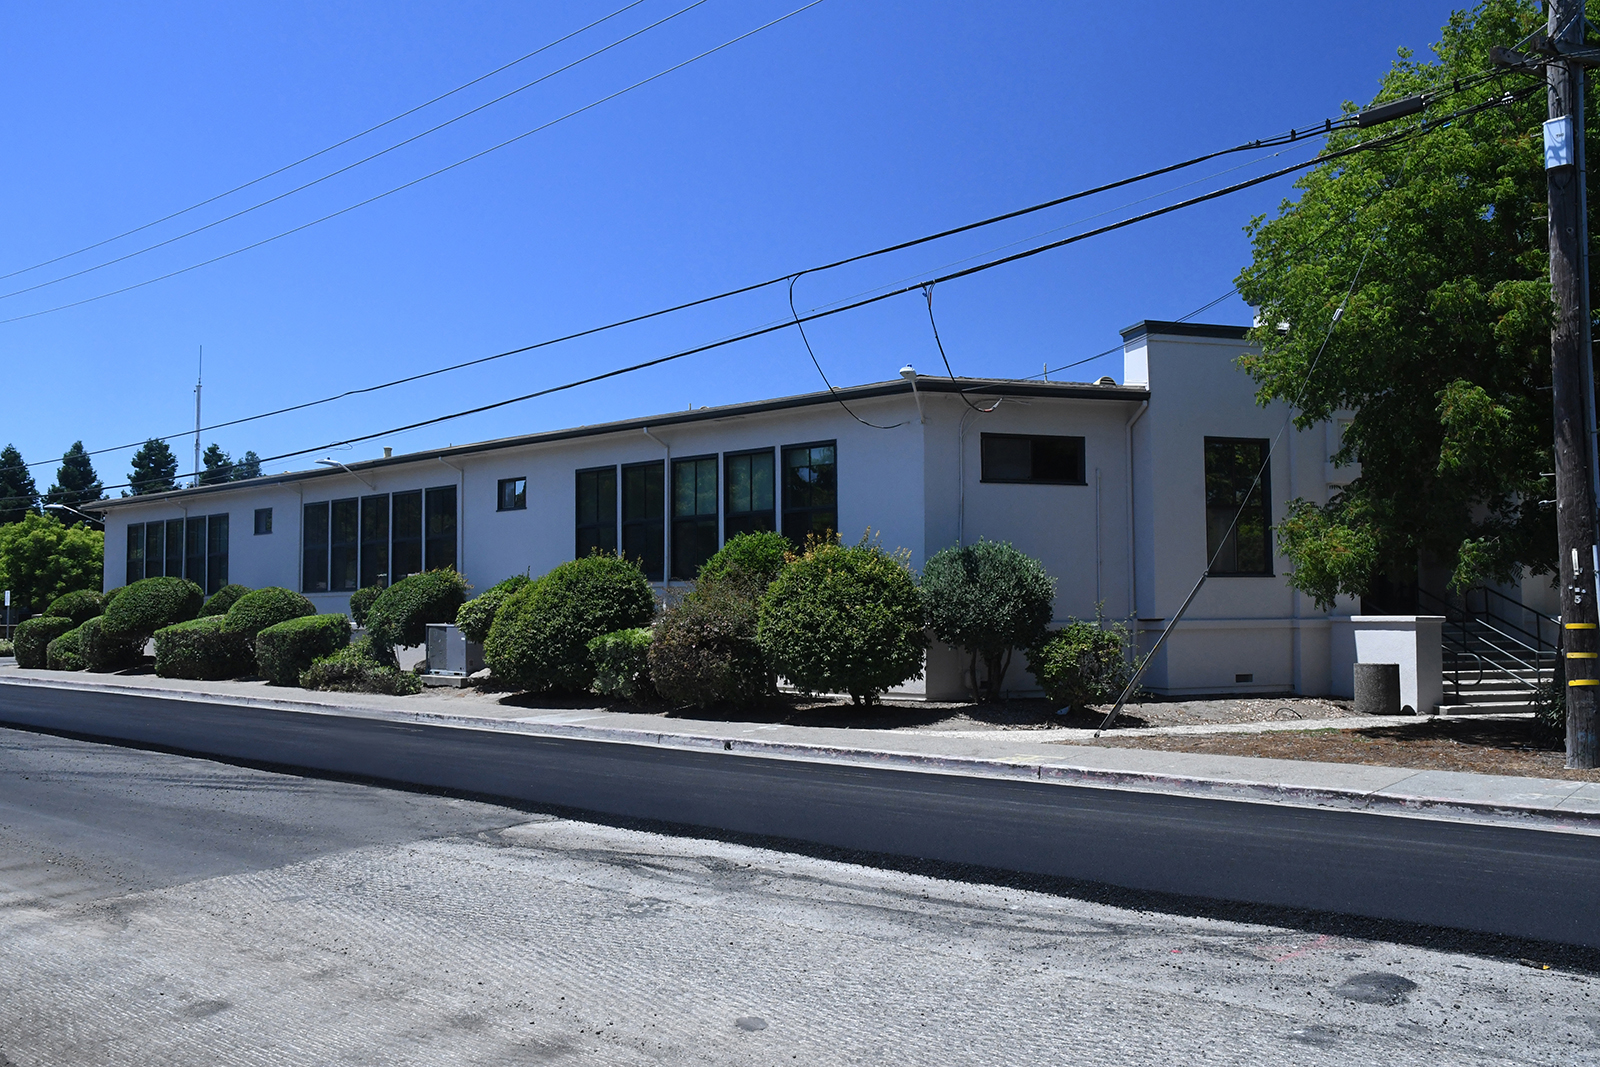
{"type": "Point", "coordinates": [1469, 614]}
{"type": "Point", "coordinates": [1465, 626]}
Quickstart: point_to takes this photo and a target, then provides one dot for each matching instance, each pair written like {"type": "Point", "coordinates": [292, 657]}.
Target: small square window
{"type": "Point", "coordinates": [263, 521]}
{"type": "Point", "coordinates": [513, 494]}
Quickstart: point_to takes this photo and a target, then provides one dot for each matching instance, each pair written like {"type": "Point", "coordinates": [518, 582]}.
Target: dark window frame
{"type": "Point", "coordinates": [519, 499]}
{"type": "Point", "coordinates": [263, 521]}
{"type": "Point", "coordinates": [134, 560]}
{"type": "Point", "coordinates": [785, 509]}
{"type": "Point", "coordinates": [1080, 460]}
{"type": "Point", "coordinates": [216, 553]}
{"type": "Point", "coordinates": [373, 551]}
{"type": "Point", "coordinates": [441, 550]}
{"type": "Point", "coordinates": [689, 551]}
{"type": "Point", "coordinates": [603, 531]}
{"type": "Point", "coordinates": [318, 553]}
{"type": "Point", "coordinates": [409, 541]}
{"type": "Point", "coordinates": [1265, 507]}
{"type": "Point", "coordinates": [751, 521]}
{"type": "Point", "coordinates": [344, 544]}
{"type": "Point", "coordinates": [652, 559]}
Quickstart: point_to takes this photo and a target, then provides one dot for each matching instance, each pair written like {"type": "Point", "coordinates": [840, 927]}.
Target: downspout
{"type": "Point", "coordinates": [1133, 559]}
{"type": "Point", "coordinates": [461, 515]}
{"type": "Point", "coordinates": [666, 519]}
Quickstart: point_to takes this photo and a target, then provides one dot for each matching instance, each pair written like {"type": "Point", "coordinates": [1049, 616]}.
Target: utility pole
{"type": "Point", "coordinates": [199, 376]}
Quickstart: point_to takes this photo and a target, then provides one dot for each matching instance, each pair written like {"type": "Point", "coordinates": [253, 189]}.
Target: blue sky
{"type": "Point", "coordinates": [852, 125]}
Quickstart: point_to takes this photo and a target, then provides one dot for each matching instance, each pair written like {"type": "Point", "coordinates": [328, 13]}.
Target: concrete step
{"type": "Point", "coordinates": [1496, 707]}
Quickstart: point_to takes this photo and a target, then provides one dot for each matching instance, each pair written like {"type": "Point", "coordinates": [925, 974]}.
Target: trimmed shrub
{"type": "Point", "coordinates": [105, 654]}
{"type": "Point", "coordinates": [361, 603]}
{"type": "Point", "coordinates": [400, 615]}
{"type": "Point", "coordinates": [287, 648]}
{"type": "Point", "coordinates": [358, 669]}
{"type": "Point", "coordinates": [1082, 663]}
{"type": "Point", "coordinates": [257, 610]}
{"type": "Point", "coordinates": [622, 664]}
{"type": "Point", "coordinates": [219, 602]}
{"type": "Point", "coordinates": [64, 653]}
{"type": "Point", "coordinates": [32, 638]}
{"type": "Point", "coordinates": [112, 594]}
{"type": "Point", "coordinates": [705, 650]}
{"type": "Point", "coordinates": [844, 620]}
{"type": "Point", "coordinates": [152, 604]}
{"type": "Point", "coordinates": [203, 650]}
{"type": "Point", "coordinates": [80, 606]}
{"type": "Point", "coordinates": [7, 648]}
{"type": "Point", "coordinates": [477, 614]}
{"type": "Point", "coordinates": [540, 637]}
{"type": "Point", "coordinates": [988, 599]}
{"type": "Point", "coordinates": [752, 559]}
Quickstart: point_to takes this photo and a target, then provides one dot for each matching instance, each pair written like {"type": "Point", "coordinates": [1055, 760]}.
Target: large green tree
{"type": "Point", "coordinates": [216, 466]}
{"type": "Point", "coordinates": [76, 482]}
{"type": "Point", "coordinates": [154, 469]}
{"type": "Point", "coordinates": [42, 558]}
{"type": "Point", "coordinates": [18, 494]}
{"type": "Point", "coordinates": [1443, 350]}
{"type": "Point", "coordinates": [248, 466]}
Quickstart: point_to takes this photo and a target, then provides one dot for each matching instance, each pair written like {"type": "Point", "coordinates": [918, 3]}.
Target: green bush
{"type": "Point", "coordinates": [705, 650]}
{"type": "Point", "coordinates": [400, 615]}
{"type": "Point", "coordinates": [80, 606]}
{"type": "Point", "coordinates": [752, 559]}
{"type": "Point", "coordinates": [988, 599]}
{"type": "Point", "coordinates": [359, 669]}
{"type": "Point", "coordinates": [203, 650]}
{"type": "Point", "coordinates": [32, 638]}
{"type": "Point", "coordinates": [540, 636]}
{"type": "Point", "coordinates": [112, 594]}
{"type": "Point", "coordinates": [622, 664]}
{"type": "Point", "coordinates": [257, 610]}
{"type": "Point", "coordinates": [287, 648]}
{"type": "Point", "coordinates": [477, 614]}
{"type": "Point", "coordinates": [844, 620]}
{"type": "Point", "coordinates": [219, 602]}
{"type": "Point", "coordinates": [151, 604]}
{"type": "Point", "coordinates": [7, 648]}
{"type": "Point", "coordinates": [361, 603]}
{"type": "Point", "coordinates": [1082, 663]}
{"type": "Point", "coordinates": [65, 653]}
{"type": "Point", "coordinates": [105, 654]}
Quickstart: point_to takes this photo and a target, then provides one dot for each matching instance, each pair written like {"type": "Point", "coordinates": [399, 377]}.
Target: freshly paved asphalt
{"type": "Point", "coordinates": [1485, 878]}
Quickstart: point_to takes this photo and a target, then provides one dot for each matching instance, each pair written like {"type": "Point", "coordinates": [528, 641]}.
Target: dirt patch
{"type": "Point", "coordinates": [1512, 747]}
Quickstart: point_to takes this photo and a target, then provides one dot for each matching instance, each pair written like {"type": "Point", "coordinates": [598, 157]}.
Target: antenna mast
{"type": "Point", "coordinates": [199, 376]}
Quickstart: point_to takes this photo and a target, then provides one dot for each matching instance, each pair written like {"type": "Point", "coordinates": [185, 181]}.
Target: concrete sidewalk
{"type": "Point", "coordinates": [1043, 755]}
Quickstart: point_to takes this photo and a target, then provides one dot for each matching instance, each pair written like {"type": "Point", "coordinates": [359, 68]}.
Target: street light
{"type": "Point", "coordinates": [75, 511]}
{"type": "Point", "coordinates": [335, 463]}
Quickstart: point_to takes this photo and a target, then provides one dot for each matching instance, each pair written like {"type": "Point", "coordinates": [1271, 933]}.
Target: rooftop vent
{"type": "Point", "coordinates": [1106, 380]}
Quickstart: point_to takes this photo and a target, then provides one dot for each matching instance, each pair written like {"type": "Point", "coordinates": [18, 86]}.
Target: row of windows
{"type": "Point", "coordinates": [628, 506]}
{"type": "Point", "coordinates": [377, 540]}
{"type": "Point", "coordinates": [194, 548]}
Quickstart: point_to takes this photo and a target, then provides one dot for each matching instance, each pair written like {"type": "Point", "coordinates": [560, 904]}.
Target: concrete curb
{"type": "Point", "coordinates": [1042, 768]}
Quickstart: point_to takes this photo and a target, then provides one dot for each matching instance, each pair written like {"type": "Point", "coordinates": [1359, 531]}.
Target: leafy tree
{"type": "Point", "coordinates": [18, 493]}
{"type": "Point", "coordinates": [248, 466]}
{"type": "Point", "coordinates": [216, 466]}
{"type": "Point", "coordinates": [1442, 351]}
{"type": "Point", "coordinates": [989, 599]}
{"type": "Point", "coordinates": [76, 482]}
{"type": "Point", "coordinates": [42, 558]}
{"type": "Point", "coordinates": [154, 468]}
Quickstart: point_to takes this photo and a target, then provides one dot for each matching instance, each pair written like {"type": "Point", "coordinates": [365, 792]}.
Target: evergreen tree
{"type": "Point", "coordinates": [154, 468]}
{"type": "Point", "coordinates": [249, 466]}
{"type": "Point", "coordinates": [18, 495]}
{"type": "Point", "coordinates": [76, 483]}
{"type": "Point", "coordinates": [216, 466]}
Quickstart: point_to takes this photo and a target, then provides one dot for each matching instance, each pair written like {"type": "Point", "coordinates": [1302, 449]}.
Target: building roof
{"type": "Point", "coordinates": [1186, 329]}
{"type": "Point", "coordinates": [975, 386]}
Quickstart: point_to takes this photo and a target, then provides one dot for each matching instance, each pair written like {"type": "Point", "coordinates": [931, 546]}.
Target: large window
{"type": "Point", "coordinates": [1050, 460]}
{"type": "Point", "coordinates": [378, 539]}
{"type": "Point", "coordinates": [644, 516]}
{"type": "Point", "coordinates": [314, 540]}
{"type": "Point", "coordinates": [344, 544]}
{"type": "Point", "coordinates": [1233, 489]}
{"type": "Point", "coordinates": [596, 512]}
{"type": "Point", "coordinates": [195, 548]}
{"type": "Point", "coordinates": [193, 539]}
{"type": "Point", "coordinates": [216, 553]}
{"type": "Point", "coordinates": [405, 535]}
{"type": "Point", "coordinates": [440, 550]}
{"type": "Point", "coordinates": [810, 491]}
{"type": "Point", "coordinates": [135, 558]}
{"type": "Point", "coordinates": [375, 540]}
{"type": "Point", "coordinates": [748, 500]}
{"type": "Point", "coordinates": [694, 514]}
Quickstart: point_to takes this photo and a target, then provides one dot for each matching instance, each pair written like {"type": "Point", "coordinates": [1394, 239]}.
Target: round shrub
{"type": "Point", "coordinates": [112, 594]}
{"type": "Point", "coordinates": [844, 620]}
{"type": "Point", "coordinates": [359, 669]}
{"type": "Point", "coordinates": [219, 602]}
{"type": "Point", "coordinates": [203, 650]}
{"type": "Point", "coordinates": [705, 650]}
{"type": "Point", "coordinates": [103, 653]}
{"type": "Point", "coordinates": [31, 639]}
{"type": "Point", "coordinates": [477, 614]}
{"type": "Point", "coordinates": [540, 637]}
{"type": "Point", "coordinates": [1082, 663]}
{"type": "Point", "coordinates": [257, 610]}
{"type": "Point", "coordinates": [622, 664]}
{"type": "Point", "coordinates": [400, 615]}
{"type": "Point", "coordinates": [361, 603]}
{"type": "Point", "coordinates": [64, 653]}
{"type": "Point", "coordinates": [79, 606]}
{"type": "Point", "coordinates": [988, 599]}
{"type": "Point", "coordinates": [753, 559]}
{"type": "Point", "coordinates": [287, 648]}
{"type": "Point", "coordinates": [150, 604]}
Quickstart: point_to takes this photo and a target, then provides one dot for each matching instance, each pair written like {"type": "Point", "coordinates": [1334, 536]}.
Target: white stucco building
{"type": "Point", "coordinates": [1122, 490]}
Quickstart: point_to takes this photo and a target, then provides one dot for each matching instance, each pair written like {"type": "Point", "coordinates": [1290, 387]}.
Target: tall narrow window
{"type": "Point", "coordinates": [441, 527]}
{"type": "Point", "coordinates": [135, 569]}
{"type": "Point", "coordinates": [344, 544]}
{"type": "Point", "coordinates": [1045, 459]}
{"type": "Point", "coordinates": [512, 494]}
{"type": "Point", "coordinates": [694, 514]}
{"type": "Point", "coordinates": [405, 528]}
{"type": "Point", "coordinates": [194, 551]}
{"type": "Point", "coordinates": [175, 549]}
{"type": "Point", "coordinates": [314, 545]}
{"type": "Point", "coordinates": [810, 491]}
{"type": "Point", "coordinates": [216, 553]}
{"type": "Point", "coordinates": [155, 555]}
{"type": "Point", "coordinates": [748, 504]}
{"type": "Point", "coordinates": [375, 540]}
{"type": "Point", "coordinates": [1232, 489]}
{"type": "Point", "coordinates": [643, 516]}
{"type": "Point", "coordinates": [596, 512]}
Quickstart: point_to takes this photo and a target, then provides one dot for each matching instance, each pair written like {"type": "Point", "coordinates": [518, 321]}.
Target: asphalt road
{"type": "Point", "coordinates": [160, 909]}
